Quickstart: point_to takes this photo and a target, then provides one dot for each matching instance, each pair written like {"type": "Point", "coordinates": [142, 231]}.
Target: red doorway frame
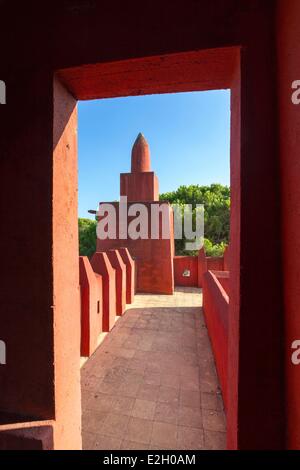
{"type": "Point", "coordinates": [184, 72]}
{"type": "Point", "coordinates": [248, 423]}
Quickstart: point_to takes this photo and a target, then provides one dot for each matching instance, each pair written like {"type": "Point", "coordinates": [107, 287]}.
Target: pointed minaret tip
{"type": "Point", "coordinates": [140, 155]}
{"type": "Point", "coordinates": [140, 137]}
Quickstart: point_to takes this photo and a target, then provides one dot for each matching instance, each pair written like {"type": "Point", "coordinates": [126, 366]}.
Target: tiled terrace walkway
{"type": "Point", "coordinates": [152, 383]}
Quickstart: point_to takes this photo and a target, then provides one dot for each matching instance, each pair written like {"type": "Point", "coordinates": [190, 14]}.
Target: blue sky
{"type": "Point", "coordinates": [188, 134]}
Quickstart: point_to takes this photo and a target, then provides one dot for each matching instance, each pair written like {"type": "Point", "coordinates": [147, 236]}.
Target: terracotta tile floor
{"type": "Point", "coordinates": [152, 383]}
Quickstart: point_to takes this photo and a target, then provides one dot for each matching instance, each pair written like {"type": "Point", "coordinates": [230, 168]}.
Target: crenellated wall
{"type": "Point", "coordinates": [91, 307]}
{"type": "Point", "coordinates": [107, 283]}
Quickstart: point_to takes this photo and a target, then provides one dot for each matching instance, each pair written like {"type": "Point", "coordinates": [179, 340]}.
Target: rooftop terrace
{"type": "Point", "coordinates": [152, 383]}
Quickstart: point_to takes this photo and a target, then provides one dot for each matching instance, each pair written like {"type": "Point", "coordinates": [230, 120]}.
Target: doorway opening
{"type": "Point", "coordinates": [179, 73]}
{"type": "Point", "coordinates": [155, 370]}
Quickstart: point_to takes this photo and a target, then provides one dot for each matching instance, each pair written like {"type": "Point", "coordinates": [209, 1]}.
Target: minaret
{"type": "Point", "coordinates": [153, 256]}
{"type": "Point", "coordinates": [140, 155]}
{"type": "Point", "coordinates": [141, 184]}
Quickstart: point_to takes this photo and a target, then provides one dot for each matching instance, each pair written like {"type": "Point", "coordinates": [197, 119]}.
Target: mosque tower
{"type": "Point", "coordinates": [142, 183]}
{"type": "Point", "coordinates": [153, 257]}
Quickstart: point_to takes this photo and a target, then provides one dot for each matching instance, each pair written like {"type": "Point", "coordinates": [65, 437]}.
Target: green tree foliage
{"type": "Point", "coordinates": [214, 250]}
{"type": "Point", "coordinates": [216, 201]}
{"type": "Point", "coordinates": [87, 236]}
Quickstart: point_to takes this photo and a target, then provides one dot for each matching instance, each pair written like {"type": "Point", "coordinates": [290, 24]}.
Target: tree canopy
{"type": "Point", "coordinates": [87, 236]}
{"type": "Point", "coordinates": [216, 201]}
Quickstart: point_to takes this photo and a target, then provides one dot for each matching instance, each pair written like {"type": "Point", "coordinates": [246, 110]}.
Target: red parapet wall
{"type": "Point", "coordinates": [103, 295]}
{"type": "Point", "coordinates": [223, 278]}
{"type": "Point", "coordinates": [130, 274]}
{"type": "Point", "coordinates": [215, 263]}
{"type": "Point", "coordinates": [118, 264]}
{"type": "Point", "coordinates": [101, 265]}
{"type": "Point", "coordinates": [189, 270]}
{"type": "Point", "coordinates": [186, 271]}
{"type": "Point", "coordinates": [91, 306]}
{"type": "Point", "coordinates": [215, 308]}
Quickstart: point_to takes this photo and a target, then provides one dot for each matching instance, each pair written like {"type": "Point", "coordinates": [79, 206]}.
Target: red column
{"type": "Point", "coordinates": [202, 266]}
{"type": "Point", "coordinates": [288, 36]}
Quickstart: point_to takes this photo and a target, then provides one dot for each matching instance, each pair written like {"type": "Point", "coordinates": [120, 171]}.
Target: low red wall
{"type": "Point", "coordinates": [223, 278]}
{"type": "Point", "coordinates": [120, 268]}
{"type": "Point", "coordinates": [197, 266]}
{"type": "Point", "coordinates": [104, 291]}
{"type": "Point", "coordinates": [183, 264]}
{"type": "Point", "coordinates": [215, 307]}
{"type": "Point", "coordinates": [91, 307]}
{"type": "Point", "coordinates": [215, 263]}
{"type": "Point", "coordinates": [130, 274]}
{"type": "Point", "coordinates": [101, 265]}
